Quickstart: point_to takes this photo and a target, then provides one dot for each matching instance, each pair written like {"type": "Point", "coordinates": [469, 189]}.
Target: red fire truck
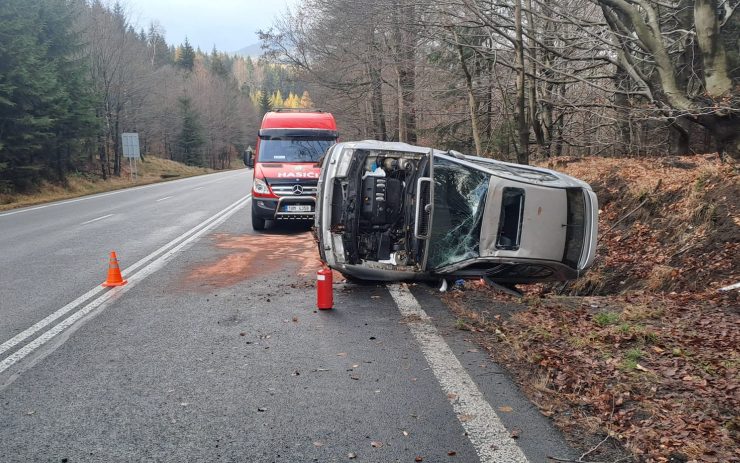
{"type": "Point", "coordinates": [289, 145]}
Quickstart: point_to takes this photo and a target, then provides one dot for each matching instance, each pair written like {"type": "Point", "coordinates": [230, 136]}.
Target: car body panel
{"type": "Point", "coordinates": [509, 223]}
{"type": "Point", "coordinates": [543, 219]}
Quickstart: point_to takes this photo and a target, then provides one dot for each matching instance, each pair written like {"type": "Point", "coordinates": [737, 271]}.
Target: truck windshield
{"type": "Point", "coordinates": [293, 149]}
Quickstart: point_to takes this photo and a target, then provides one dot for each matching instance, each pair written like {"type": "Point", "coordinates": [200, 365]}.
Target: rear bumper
{"type": "Point", "coordinates": [277, 209]}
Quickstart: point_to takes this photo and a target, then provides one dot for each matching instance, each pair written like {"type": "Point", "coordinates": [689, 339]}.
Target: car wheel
{"type": "Point", "coordinates": [258, 223]}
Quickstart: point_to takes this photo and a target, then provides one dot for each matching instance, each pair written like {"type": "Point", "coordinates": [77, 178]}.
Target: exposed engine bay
{"type": "Point", "coordinates": [373, 208]}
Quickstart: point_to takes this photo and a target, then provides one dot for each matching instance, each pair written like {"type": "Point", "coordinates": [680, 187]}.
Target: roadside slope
{"type": "Point", "coordinates": [150, 170]}
{"type": "Point", "coordinates": [642, 351]}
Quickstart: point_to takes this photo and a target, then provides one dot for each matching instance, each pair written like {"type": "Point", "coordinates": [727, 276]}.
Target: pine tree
{"type": "Point", "coordinates": [186, 56]}
{"type": "Point", "coordinates": [45, 105]}
{"type": "Point", "coordinates": [264, 103]}
{"type": "Point", "coordinates": [191, 138]}
{"type": "Point", "coordinates": [159, 53]}
{"type": "Point", "coordinates": [218, 66]}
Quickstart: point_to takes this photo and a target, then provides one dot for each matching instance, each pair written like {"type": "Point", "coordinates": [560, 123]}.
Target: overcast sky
{"type": "Point", "coordinates": [228, 24]}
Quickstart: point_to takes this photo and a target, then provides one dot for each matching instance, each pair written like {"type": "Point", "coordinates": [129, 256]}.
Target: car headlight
{"type": "Point", "coordinates": [260, 187]}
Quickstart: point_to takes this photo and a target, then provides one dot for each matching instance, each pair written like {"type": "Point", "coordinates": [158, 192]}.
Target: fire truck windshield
{"type": "Point", "coordinates": [293, 149]}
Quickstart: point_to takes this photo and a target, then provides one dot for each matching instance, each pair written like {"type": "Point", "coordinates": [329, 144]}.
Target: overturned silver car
{"type": "Point", "coordinates": [393, 211]}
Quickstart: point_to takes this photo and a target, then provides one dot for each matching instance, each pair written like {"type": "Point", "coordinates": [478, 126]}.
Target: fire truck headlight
{"type": "Point", "coordinates": [260, 187]}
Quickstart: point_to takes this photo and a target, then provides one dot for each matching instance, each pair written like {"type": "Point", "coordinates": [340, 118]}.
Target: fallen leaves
{"type": "Point", "coordinates": [663, 377]}
{"type": "Point", "coordinates": [376, 444]}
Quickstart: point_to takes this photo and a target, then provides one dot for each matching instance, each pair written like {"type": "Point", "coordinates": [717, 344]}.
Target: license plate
{"type": "Point", "coordinates": [298, 208]}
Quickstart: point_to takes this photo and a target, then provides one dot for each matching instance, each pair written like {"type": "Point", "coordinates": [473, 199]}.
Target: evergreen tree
{"type": "Point", "coordinates": [45, 105]}
{"type": "Point", "coordinates": [191, 138]}
{"type": "Point", "coordinates": [264, 104]}
{"type": "Point", "coordinates": [159, 53]}
{"type": "Point", "coordinates": [218, 66]}
{"type": "Point", "coordinates": [186, 56]}
{"type": "Point", "coordinates": [249, 64]}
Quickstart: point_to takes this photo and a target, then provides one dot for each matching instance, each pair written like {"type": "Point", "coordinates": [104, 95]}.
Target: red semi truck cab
{"type": "Point", "coordinates": [286, 171]}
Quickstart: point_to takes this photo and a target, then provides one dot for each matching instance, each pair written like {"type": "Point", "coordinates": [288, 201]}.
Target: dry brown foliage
{"type": "Point", "coordinates": [654, 360]}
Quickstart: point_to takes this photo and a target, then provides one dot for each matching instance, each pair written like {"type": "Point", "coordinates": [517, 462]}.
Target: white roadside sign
{"type": "Point", "coordinates": [130, 142]}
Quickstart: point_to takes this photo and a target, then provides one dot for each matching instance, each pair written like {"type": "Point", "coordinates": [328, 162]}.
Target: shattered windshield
{"type": "Point", "coordinates": [459, 200]}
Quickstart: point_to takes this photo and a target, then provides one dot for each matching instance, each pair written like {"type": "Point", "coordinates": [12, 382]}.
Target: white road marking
{"type": "Point", "coordinates": [95, 220]}
{"type": "Point", "coordinates": [199, 188]}
{"type": "Point", "coordinates": [123, 190]}
{"type": "Point", "coordinates": [166, 197]}
{"type": "Point", "coordinates": [484, 428]}
{"type": "Point", "coordinates": [198, 229]}
{"type": "Point", "coordinates": [731, 287]}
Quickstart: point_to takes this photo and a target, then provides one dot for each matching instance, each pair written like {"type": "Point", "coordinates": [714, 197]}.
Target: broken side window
{"type": "Point", "coordinates": [510, 222]}
{"type": "Point", "coordinates": [459, 200]}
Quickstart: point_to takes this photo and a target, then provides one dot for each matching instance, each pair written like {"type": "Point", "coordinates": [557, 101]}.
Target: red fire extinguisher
{"type": "Point", "coordinates": [324, 294]}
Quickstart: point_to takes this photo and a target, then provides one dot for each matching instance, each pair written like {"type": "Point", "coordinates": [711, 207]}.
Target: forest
{"type": "Point", "coordinates": [518, 80]}
{"type": "Point", "coordinates": [76, 74]}
{"type": "Point", "coordinates": [523, 79]}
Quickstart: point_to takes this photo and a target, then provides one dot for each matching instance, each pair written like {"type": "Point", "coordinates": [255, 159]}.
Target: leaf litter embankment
{"type": "Point", "coordinates": [644, 348]}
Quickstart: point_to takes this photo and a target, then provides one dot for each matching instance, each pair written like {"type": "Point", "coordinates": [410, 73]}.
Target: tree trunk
{"type": "Point", "coordinates": [472, 103]}
{"type": "Point", "coordinates": [725, 131]}
{"type": "Point", "coordinates": [102, 142]}
{"type": "Point", "coordinates": [522, 152]}
{"type": "Point", "coordinates": [716, 79]}
{"type": "Point", "coordinates": [621, 82]}
{"type": "Point", "coordinates": [405, 41]}
{"type": "Point", "coordinates": [116, 147]}
{"type": "Point", "coordinates": [533, 111]}
{"type": "Point", "coordinates": [376, 103]}
{"type": "Point", "coordinates": [680, 138]}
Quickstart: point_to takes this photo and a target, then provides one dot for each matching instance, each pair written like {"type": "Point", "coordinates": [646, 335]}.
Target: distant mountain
{"type": "Point", "coordinates": [254, 50]}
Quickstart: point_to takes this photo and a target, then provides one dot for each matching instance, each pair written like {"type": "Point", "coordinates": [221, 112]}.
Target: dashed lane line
{"type": "Point", "coordinates": [95, 220]}
{"type": "Point", "coordinates": [492, 442]}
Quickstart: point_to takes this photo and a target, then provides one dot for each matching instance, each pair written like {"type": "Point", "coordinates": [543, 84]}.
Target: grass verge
{"type": "Point", "coordinates": [151, 170]}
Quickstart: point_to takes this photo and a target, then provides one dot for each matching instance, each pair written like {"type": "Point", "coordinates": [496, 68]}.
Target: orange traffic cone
{"type": "Point", "coordinates": [114, 272]}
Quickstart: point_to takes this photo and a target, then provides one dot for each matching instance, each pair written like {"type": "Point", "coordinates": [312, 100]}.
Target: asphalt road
{"type": "Point", "coordinates": [214, 350]}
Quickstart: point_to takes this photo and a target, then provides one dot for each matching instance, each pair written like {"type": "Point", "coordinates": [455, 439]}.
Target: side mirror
{"type": "Point", "coordinates": [249, 157]}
